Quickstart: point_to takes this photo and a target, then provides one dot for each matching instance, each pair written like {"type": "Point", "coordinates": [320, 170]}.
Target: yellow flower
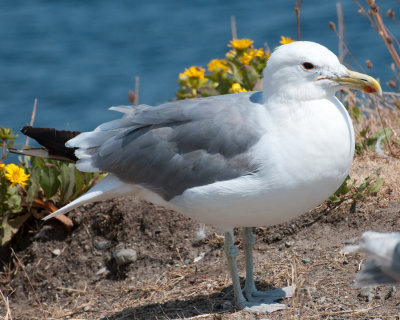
{"type": "Point", "coordinates": [236, 88]}
{"type": "Point", "coordinates": [217, 64]}
{"type": "Point", "coordinates": [193, 72]}
{"type": "Point", "coordinates": [285, 40]}
{"type": "Point", "coordinates": [246, 58]}
{"type": "Point", "coordinates": [240, 44]}
{"type": "Point", "coordinates": [253, 53]}
{"type": "Point", "coordinates": [2, 165]}
{"type": "Point", "coordinates": [258, 53]}
{"type": "Point", "coordinates": [16, 175]}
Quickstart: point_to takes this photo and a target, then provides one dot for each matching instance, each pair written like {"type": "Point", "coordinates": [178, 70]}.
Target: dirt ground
{"type": "Point", "coordinates": [53, 273]}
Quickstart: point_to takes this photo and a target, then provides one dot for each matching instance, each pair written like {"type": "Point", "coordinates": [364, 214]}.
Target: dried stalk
{"type": "Point", "coordinates": [233, 27]}
{"type": "Point", "coordinates": [383, 32]}
{"type": "Point", "coordinates": [32, 119]}
{"type": "Point", "coordinates": [340, 31]}
{"type": "Point", "coordinates": [297, 10]}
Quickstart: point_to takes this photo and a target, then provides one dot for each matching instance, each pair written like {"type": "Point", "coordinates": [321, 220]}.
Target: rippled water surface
{"type": "Point", "coordinates": [80, 57]}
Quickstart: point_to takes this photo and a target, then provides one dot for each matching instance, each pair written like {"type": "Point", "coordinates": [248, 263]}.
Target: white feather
{"type": "Point", "coordinates": [107, 188]}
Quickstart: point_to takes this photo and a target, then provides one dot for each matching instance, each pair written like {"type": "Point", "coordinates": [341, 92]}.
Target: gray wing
{"type": "Point", "coordinates": [177, 145]}
{"type": "Point", "coordinates": [383, 258]}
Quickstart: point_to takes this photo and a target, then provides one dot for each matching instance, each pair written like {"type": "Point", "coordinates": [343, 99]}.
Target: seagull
{"type": "Point", "coordinates": [248, 159]}
{"type": "Point", "coordinates": [383, 263]}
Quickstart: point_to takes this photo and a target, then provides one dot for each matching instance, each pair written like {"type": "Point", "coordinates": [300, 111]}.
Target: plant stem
{"type": "Point", "coordinates": [297, 10]}
{"type": "Point", "coordinates": [382, 31]}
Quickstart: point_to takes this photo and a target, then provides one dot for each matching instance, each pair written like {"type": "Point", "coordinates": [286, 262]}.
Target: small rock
{"type": "Point", "coordinates": [101, 245]}
{"type": "Point", "coordinates": [201, 256]}
{"type": "Point", "coordinates": [187, 261]}
{"type": "Point", "coordinates": [125, 256]}
{"type": "Point", "coordinates": [102, 270]}
{"type": "Point", "coordinates": [321, 300]}
{"type": "Point", "coordinates": [56, 252]}
{"type": "Point", "coordinates": [306, 260]}
{"type": "Point", "coordinates": [350, 241]}
{"type": "Point", "coordinates": [367, 292]}
{"type": "Point", "coordinates": [87, 308]}
{"type": "Point", "coordinates": [288, 244]}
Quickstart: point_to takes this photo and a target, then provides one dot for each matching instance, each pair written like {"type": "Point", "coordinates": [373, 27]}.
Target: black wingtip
{"type": "Point", "coordinates": [53, 140]}
{"type": "Point", "coordinates": [25, 130]}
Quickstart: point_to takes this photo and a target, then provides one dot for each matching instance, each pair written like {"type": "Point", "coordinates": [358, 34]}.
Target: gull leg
{"type": "Point", "coordinates": [250, 290]}
{"type": "Point", "coordinates": [248, 243]}
{"type": "Point", "coordinates": [260, 305]}
{"type": "Point", "coordinates": [231, 253]}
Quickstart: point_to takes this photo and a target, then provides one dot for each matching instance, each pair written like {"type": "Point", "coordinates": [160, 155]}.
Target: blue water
{"type": "Point", "coordinates": [81, 57]}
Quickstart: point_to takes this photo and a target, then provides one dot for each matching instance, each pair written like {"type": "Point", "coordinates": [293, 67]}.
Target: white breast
{"type": "Point", "coordinates": [304, 155]}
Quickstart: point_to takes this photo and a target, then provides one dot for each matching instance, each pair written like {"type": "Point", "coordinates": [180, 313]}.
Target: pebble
{"type": "Point", "coordinates": [101, 245]}
{"type": "Point", "coordinates": [367, 292]}
{"type": "Point", "coordinates": [201, 256]}
{"type": "Point", "coordinates": [56, 252]}
{"type": "Point", "coordinates": [350, 241]}
{"type": "Point", "coordinates": [306, 260]}
{"type": "Point", "coordinates": [125, 256]}
{"type": "Point", "coordinates": [288, 244]}
{"type": "Point", "coordinates": [87, 308]}
{"type": "Point", "coordinates": [321, 300]}
{"type": "Point", "coordinates": [102, 270]}
{"type": "Point", "coordinates": [187, 261]}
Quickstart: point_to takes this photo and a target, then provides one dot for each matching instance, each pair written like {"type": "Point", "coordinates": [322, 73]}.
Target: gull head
{"type": "Point", "coordinates": [305, 70]}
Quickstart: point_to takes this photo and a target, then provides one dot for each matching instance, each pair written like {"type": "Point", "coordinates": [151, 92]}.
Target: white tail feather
{"type": "Point", "coordinates": [107, 188]}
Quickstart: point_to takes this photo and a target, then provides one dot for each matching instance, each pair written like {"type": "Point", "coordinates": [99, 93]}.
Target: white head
{"type": "Point", "coordinates": [307, 70]}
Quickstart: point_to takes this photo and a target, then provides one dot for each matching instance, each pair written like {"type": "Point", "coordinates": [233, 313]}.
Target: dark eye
{"type": "Point", "coordinates": [308, 65]}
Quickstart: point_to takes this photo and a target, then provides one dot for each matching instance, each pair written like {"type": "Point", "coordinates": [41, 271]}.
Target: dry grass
{"type": "Point", "coordinates": [182, 286]}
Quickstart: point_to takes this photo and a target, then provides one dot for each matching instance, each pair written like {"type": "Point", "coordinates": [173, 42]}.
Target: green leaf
{"type": "Point", "coordinates": [208, 92]}
{"type": "Point", "coordinates": [357, 115]}
{"type": "Point", "coordinates": [34, 184]}
{"type": "Point", "coordinates": [236, 77]}
{"type": "Point", "coordinates": [343, 189]}
{"type": "Point", "coordinates": [49, 181]}
{"type": "Point", "coordinates": [250, 77]}
{"type": "Point", "coordinates": [359, 147]}
{"type": "Point", "coordinates": [67, 181]}
{"type": "Point", "coordinates": [374, 187]}
{"type": "Point", "coordinates": [9, 227]}
{"type": "Point", "coordinates": [371, 141]}
{"type": "Point", "coordinates": [78, 184]}
{"type": "Point", "coordinates": [361, 188]}
{"type": "Point", "coordinates": [334, 199]}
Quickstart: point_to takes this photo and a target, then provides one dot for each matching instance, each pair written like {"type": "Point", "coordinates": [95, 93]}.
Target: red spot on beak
{"type": "Point", "coordinates": [369, 89]}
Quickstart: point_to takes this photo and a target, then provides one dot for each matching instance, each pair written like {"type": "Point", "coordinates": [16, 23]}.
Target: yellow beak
{"type": "Point", "coordinates": [359, 81]}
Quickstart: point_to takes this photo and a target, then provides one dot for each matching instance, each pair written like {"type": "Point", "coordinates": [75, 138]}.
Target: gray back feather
{"type": "Point", "coordinates": [177, 145]}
